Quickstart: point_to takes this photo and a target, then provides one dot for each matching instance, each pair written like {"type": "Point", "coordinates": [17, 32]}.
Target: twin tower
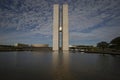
{"type": "Point", "coordinates": [60, 27]}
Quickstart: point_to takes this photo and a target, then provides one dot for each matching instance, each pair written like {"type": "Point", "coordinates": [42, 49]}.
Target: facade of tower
{"type": "Point", "coordinates": [56, 27]}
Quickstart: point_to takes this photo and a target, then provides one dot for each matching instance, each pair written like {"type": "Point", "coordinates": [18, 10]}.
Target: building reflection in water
{"type": "Point", "coordinates": [61, 68]}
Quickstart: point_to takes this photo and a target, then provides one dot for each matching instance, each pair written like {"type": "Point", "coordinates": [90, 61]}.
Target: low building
{"type": "Point", "coordinates": [39, 45]}
{"type": "Point", "coordinates": [82, 48]}
{"type": "Point", "coordinates": [21, 45]}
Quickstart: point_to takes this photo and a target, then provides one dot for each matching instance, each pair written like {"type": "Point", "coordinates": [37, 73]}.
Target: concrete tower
{"type": "Point", "coordinates": [56, 27]}
{"type": "Point", "coordinates": [60, 25]}
{"type": "Point", "coordinates": [65, 28]}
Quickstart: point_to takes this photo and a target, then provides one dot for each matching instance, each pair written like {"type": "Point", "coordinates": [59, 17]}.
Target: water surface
{"type": "Point", "coordinates": [28, 65]}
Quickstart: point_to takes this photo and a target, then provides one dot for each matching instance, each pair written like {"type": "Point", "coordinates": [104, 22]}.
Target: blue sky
{"type": "Point", "coordinates": [31, 21]}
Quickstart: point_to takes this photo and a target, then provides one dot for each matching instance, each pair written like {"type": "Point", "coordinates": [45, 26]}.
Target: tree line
{"type": "Point", "coordinates": [114, 44]}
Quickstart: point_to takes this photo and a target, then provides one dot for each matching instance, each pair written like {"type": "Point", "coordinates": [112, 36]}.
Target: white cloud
{"type": "Point", "coordinates": [101, 34]}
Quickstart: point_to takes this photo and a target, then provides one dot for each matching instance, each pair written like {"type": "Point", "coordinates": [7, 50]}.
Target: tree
{"type": "Point", "coordinates": [115, 43]}
{"type": "Point", "coordinates": [102, 45]}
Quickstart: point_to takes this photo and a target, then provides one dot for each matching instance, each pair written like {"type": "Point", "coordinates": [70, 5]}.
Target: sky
{"type": "Point", "coordinates": [31, 21]}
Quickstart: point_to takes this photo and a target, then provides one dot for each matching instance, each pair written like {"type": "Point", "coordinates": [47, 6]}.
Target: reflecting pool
{"type": "Point", "coordinates": [33, 65]}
